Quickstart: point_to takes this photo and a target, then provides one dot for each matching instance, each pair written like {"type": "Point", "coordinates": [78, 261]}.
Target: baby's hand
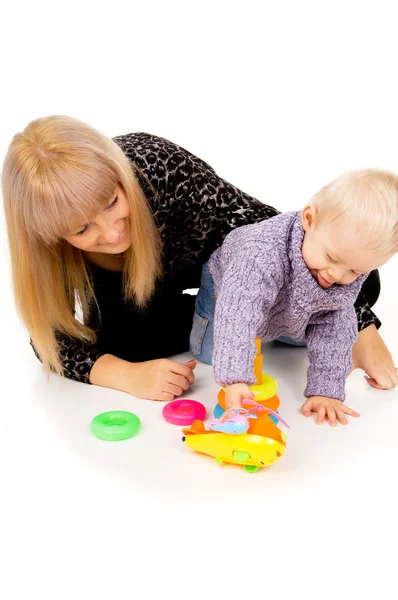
{"type": "Point", "coordinates": [235, 393]}
{"type": "Point", "coordinates": [334, 409]}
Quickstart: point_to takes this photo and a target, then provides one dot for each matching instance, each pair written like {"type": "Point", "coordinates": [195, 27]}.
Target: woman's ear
{"type": "Point", "coordinates": [308, 215]}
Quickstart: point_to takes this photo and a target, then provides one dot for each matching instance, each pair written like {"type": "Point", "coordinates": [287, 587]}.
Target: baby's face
{"type": "Point", "coordinates": [332, 252]}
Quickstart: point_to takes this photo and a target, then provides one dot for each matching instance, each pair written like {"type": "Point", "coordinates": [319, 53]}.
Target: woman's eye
{"type": "Point", "coordinates": [83, 230]}
{"type": "Point", "coordinates": [113, 203]}
{"type": "Point", "coordinates": [330, 258]}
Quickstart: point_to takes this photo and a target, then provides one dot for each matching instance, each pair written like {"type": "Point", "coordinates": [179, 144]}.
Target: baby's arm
{"type": "Point", "coordinates": [249, 288]}
{"type": "Point", "coordinates": [330, 338]}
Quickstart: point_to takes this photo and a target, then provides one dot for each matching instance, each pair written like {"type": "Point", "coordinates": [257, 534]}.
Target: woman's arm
{"type": "Point", "coordinates": [371, 354]}
{"type": "Point", "coordinates": [160, 379]}
{"type": "Point", "coordinates": [77, 357]}
{"type": "Point", "coordinates": [365, 315]}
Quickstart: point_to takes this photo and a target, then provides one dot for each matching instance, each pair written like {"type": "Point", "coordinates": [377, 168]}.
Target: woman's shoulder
{"type": "Point", "coordinates": [168, 173]}
{"type": "Point", "coordinates": [153, 152]}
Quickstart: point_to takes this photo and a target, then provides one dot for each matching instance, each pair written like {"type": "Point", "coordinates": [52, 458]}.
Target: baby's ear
{"type": "Point", "coordinates": [308, 216]}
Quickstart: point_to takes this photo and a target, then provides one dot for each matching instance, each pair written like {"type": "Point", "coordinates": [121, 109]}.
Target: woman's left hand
{"type": "Point", "coordinates": [372, 355]}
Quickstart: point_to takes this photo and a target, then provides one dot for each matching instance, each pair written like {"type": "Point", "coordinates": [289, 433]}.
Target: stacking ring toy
{"type": "Point", "coordinates": [115, 425]}
{"type": "Point", "coordinates": [184, 412]}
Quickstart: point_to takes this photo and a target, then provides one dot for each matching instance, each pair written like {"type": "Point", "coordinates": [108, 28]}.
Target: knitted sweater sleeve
{"type": "Point", "coordinates": [330, 343]}
{"type": "Point", "coordinates": [246, 294]}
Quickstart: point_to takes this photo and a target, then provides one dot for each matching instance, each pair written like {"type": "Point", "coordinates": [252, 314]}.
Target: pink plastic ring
{"type": "Point", "coordinates": [184, 412]}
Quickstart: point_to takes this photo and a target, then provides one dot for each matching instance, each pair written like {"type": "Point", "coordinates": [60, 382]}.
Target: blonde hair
{"type": "Point", "coordinates": [369, 199]}
{"type": "Point", "coordinates": [55, 170]}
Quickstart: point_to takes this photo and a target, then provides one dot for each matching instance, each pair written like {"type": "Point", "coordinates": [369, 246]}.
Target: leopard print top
{"type": "Point", "coordinates": [194, 210]}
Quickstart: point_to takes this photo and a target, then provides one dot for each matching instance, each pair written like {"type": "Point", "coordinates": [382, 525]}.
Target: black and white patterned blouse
{"type": "Point", "coordinates": [194, 209]}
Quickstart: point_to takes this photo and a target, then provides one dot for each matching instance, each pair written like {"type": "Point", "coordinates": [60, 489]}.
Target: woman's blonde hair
{"type": "Point", "coordinates": [56, 170]}
{"type": "Point", "coordinates": [368, 198]}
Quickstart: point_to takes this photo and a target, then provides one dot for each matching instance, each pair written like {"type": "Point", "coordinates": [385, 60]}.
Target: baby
{"type": "Point", "coordinates": [297, 276]}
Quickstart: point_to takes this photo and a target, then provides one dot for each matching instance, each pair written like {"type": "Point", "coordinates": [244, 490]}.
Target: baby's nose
{"type": "Point", "coordinates": [332, 276]}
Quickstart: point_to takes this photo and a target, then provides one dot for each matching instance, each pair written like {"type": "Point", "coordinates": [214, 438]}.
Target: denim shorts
{"type": "Point", "coordinates": [201, 340]}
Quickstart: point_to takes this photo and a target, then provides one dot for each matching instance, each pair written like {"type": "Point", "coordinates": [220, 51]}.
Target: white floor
{"type": "Point", "coordinates": [67, 493]}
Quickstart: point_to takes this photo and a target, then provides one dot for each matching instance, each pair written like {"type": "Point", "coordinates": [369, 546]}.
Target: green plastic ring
{"type": "Point", "coordinates": [115, 425]}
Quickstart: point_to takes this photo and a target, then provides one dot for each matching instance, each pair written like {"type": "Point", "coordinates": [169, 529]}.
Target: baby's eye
{"type": "Point", "coordinates": [330, 258]}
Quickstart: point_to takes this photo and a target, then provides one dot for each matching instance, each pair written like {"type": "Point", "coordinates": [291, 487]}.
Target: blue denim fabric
{"type": "Point", "coordinates": [201, 339]}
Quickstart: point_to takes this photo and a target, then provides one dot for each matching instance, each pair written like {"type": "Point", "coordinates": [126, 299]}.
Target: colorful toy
{"type": "Point", "coordinates": [115, 425]}
{"type": "Point", "coordinates": [184, 412]}
{"type": "Point", "coordinates": [255, 443]}
{"type": "Point", "coordinates": [263, 444]}
{"type": "Point", "coordinates": [236, 420]}
{"type": "Point", "coordinates": [219, 411]}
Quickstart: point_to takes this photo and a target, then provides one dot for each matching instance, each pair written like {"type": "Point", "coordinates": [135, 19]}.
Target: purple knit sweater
{"type": "Point", "coordinates": [264, 288]}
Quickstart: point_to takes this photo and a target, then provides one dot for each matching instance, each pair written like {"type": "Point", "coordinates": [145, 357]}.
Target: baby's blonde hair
{"type": "Point", "coordinates": [368, 199]}
{"type": "Point", "coordinates": [56, 170]}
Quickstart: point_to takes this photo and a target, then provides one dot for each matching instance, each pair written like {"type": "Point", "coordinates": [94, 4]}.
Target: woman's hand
{"type": "Point", "coordinates": [161, 379]}
{"type": "Point", "coordinates": [335, 410]}
{"type": "Point", "coordinates": [372, 355]}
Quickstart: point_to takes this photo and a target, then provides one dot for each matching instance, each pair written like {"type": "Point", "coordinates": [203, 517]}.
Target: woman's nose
{"type": "Point", "coordinates": [110, 233]}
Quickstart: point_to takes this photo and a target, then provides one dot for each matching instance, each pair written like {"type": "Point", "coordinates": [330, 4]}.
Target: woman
{"type": "Point", "coordinates": [123, 227]}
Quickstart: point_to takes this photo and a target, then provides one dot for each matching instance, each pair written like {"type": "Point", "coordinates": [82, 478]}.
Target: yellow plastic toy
{"type": "Point", "coordinates": [261, 445]}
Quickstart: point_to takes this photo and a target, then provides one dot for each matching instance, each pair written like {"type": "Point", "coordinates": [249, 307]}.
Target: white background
{"type": "Point", "coordinates": [279, 98]}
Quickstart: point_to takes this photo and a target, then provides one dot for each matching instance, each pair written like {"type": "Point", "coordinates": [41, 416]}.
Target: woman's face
{"type": "Point", "coordinates": [109, 232]}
